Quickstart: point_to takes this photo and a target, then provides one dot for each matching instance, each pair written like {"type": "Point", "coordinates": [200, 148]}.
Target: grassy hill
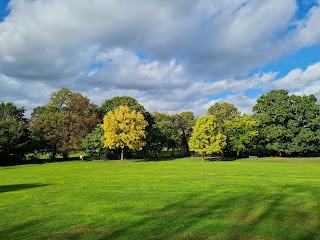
{"type": "Point", "coordinates": [268, 198]}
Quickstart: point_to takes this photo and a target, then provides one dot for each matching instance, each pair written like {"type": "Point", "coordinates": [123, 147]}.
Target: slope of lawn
{"type": "Point", "coordinates": [268, 198]}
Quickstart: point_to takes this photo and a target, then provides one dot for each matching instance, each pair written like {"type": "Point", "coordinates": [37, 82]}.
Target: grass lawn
{"type": "Point", "coordinates": [268, 198]}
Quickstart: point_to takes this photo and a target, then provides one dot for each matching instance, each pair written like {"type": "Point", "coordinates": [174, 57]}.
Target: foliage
{"type": "Point", "coordinates": [168, 130]}
{"type": "Point", "coordinates": [289, 124]}
{"type": "Point", "coordinates": [36, 124]}
{"type": "Point", "coordinates": [124, 128]}
{"type": "Point", "coordinates": [152, 134]}
{"type": "Point", "coordinates": [114, 103]}
{"type": "Point", "coordinates": [93, 145]}
{"type": "Point", "coordinates": [223, 111]}
{"type": "Point", "coordinates": [14, 134]}
{"type": "Point", "coordinates": [205, 138]}
{"type": "Point", "coordinates": [174, 131]}
{"type": "Point", "coordinates": [241, 131]}
{"type": "Point", "coordinates": [64, 121]}
{"type": "Point", "coordinates": [185, 123]}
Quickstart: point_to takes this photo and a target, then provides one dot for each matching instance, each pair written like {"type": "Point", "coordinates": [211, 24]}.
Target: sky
{"type": "Point", "coordinates": [172, 56]}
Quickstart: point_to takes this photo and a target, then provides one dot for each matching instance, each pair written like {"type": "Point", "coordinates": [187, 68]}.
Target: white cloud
{"type": "Point", "coordinates": [308, 31]}
{"type": "Point", "coordinates": [243, 103]}
{"type": "Point", "coordinates": [57, 38]}
{"type": "Point", "coordinates": [91, 46]}
{"type": "Point", "coordinates": [236, 84]}
{"type": "Point", "coordinates": [123, 69]}
{"type": "Point", "coordinates": [297, 78]}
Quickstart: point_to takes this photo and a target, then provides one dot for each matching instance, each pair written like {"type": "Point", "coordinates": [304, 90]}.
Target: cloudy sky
{"type": "Point", "coordinates": [172, 56]}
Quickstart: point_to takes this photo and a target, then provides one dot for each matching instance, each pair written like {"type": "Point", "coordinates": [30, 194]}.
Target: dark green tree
{"type": "Point", "coordinates": [14, 134]}
{"type": "Point", "coordinates": [114, 103]}
{"type": "Point", "coordinates": [304, 125]}
{"type": "Point", "coordinates": [185, 123]}
{"type": "Point", "coordinates": [288, 124]}
{"type": "Point", "coordinates": [168, 131]}
{"type": "Point", "coordinates": [172, 131]}
{"type": "Point", "coordinates": [93, 145]}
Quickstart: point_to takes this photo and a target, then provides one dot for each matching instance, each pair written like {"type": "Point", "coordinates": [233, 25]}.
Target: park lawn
{"type": "Point", "coordinates": [268, 198]}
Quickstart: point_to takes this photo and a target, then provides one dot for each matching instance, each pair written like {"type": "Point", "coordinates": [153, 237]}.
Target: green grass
{"type": "Point", "coordinates": [270, 198]}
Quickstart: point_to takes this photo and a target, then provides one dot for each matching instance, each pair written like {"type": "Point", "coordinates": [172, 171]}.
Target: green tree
{"type": "Point", "coordinates": [93, 145]}
{"type": "Point", "coordinates": [223, 111]}
{"type": "Point", "coordinates": [241, 131]}
{"type": "Point", "coordinates": [14, 134]}
{"type": "Point", "coordinates": [305, 125]}
{"type": "Point", "coordinates": [168, 129]}
{"type": "Point", "coordinates": [185, 123]}
{"type": "Point", "coordinates": [124, 128]}
{"type": "Point", "coordinates": [206, 138]}
{"type": "Point", "coordinates": [273, 114]}
{"type": "Point", "coordinates": [114, 103]}
{"type": "Point", "coordinates": [288, 124]}
{"type": "Point", "coordinates": [64, 121]}
{"type": "Point", "coordinates": [173, 130]}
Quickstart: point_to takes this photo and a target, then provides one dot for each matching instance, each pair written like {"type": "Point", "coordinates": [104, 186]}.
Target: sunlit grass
{"type": "Point", "coordinates": [270, 198]}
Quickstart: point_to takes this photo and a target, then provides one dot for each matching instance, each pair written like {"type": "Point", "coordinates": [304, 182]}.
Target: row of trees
{"type": "Point", "coordinates": [281, 124]}
{"type": "Point", "coordinates": [127, 128]}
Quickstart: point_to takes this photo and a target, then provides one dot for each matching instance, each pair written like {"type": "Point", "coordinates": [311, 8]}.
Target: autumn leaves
{"type": "Point", "coordinates": [124, 128]}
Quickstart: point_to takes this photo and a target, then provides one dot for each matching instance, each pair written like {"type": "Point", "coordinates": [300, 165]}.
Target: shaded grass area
{"type": "Point", "coordinates": [47, 156]}
{"type": "Point", "coordinates": [268, 198]}
{"type": "Point", "coordinates": [18, 187]}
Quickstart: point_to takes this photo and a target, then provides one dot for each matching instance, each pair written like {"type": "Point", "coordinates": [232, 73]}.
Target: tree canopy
{"type": "Point", "coordinates": [288, 124]}
{"type": "Point", "coordinates": [124, 128]}
{"type": "Point", "coordinates": [92, 143]}
{"type": "Point", "coordinates": [205, 138]}
{"type": "Point", "coordinates": [241, 131]}
{"type": "Point", "coordinates": [64, 121]}
{"type": "Point", "coordinates": [114, 103]}
{"type": "Point", "coordinates": [282, 124]}
{"type": "Point", "coordinates": [223, 111]}
{"type": "Point", "coordinates": [14, 134]}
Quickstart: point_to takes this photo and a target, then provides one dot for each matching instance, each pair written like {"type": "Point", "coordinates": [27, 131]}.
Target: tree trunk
{"type": "Point", "coordinates": [54, 152]}
{"type": "Point", "coordinates": [121, 154]}
{"type": "Point", "coordinates": [202, 157]}
{"type": "Point", "coordinates": [238, 154]}
{"type": "Point", "coordinates": [159, 151]}
{"type": "Point", "coordinates": [65, 155]}
{"type": "Point", "coordinates": [185, 141]}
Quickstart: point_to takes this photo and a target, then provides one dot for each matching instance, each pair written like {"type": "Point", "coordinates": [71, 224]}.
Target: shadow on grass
{"type": "Point", "coordinates": [9, 233]}
{"type": "Point", "coordinates": [162, 158]}
{"type": "Point", "coordinates": [236, 216]}
{"type": "Point", "coordinates": [232, 216]}
{"type": "Point", "coordinates": [18, 187]}
{"type": "Point", "coordinates": [225, 159]}
{"type": "Point", "coordinates": [64, 159]}
{"type": "Point", "coordinates": [159, 159]}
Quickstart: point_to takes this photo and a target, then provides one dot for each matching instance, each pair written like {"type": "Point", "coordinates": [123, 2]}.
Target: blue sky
{"type": "Point", "coordinates": [160, 53]}
{"type": "Point", "coordinates": [301, 58]}
{"type": "Point", "coordinates": [3, 9]}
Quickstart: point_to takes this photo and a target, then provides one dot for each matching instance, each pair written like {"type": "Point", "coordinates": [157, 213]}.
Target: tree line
{"type": "Point", "coordinates": [281, 124]}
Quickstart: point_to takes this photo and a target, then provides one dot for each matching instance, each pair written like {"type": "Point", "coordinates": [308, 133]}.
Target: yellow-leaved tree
{"type": "Point", "coordinates": [124, 128]}
{"type": "Point", "coordinates": [205, 138]}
